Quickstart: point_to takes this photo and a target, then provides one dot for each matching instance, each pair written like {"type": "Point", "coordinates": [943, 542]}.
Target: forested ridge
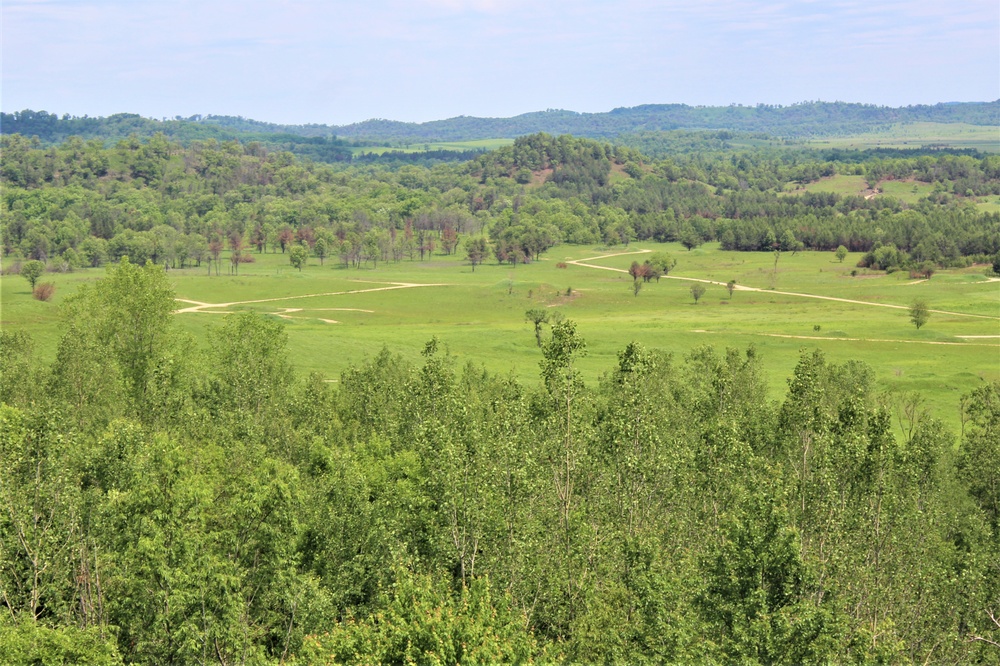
{"type": "Point", "coordinates": [79, 203]}
{"type": "Point", "coordinates": [166, 504]}
{"type": "Point", "coordinates": [796, 120]}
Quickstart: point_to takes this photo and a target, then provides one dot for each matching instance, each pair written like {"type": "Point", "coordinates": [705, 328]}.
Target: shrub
{"type": "Point", "coordinates": [44, 291]}
{"type": "Point", "coordinates": [561, 264]}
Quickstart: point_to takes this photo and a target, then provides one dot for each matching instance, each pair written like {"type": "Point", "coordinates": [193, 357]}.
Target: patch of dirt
{"type": "Point", "coordinates": [538, 178]}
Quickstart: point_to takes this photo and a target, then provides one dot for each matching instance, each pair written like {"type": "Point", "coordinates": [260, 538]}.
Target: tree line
{"type": "Point", "coordinates": [80, 204]}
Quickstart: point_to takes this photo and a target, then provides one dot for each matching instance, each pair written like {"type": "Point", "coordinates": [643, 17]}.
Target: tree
{"type": "Point", "coordinates": [297, 256]}
{"type": "Point", "coordinates": [919, 314]}
{"type": "Point", "coordinates": [564, 386]}
{"type": "Point", "coordinates": [320, 249]}
{"type": "Point", "coordinates": [128, 312]}
{"type": "Point", "coordinates": [659, 264]}
{"type": "Point", "coordinates": [449, 239]}
{"type": "Point", "coordinates": [637, 271]}
{"type": "Point", "coordinates": [285, 238]}
{"type": "Point", "coordinates": [537, 316]}
{"type": "Point", "coordinates": [841, 253]}
{"type": "Point", "coordinates": [31, 271]}
{"type": "Point", "coordinates": [214, 250]}
{"type": "Point", "coordinates": [731, 287]}
{"type": "Point", "coordinates": [691, 240]}
{"type": "Point", "coordinates": [250, 364]}
{"type": "Point", "coordinates": [236, 245]}
{"type": "Point", "coordinates": [697, 291]}
{"type": "Point", "coordinates": [979, 457]}
{"type": "Point", "coordinates": [476, 250]}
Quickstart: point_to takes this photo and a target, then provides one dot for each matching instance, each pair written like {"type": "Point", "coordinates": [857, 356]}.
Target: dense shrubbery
{"type": "Point", "coordinates": [171, 506]}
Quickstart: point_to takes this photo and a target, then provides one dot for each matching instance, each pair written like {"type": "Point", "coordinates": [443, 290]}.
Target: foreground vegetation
{"type": "Point", "coordinates": [162, 504]}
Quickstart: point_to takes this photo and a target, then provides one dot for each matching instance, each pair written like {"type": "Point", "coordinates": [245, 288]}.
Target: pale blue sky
{"type": "Point", "coordinates": [301, 61]}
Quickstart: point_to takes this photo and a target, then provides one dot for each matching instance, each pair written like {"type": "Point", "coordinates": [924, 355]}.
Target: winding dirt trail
{"type": "Point", "coordinates": [905, 342]}
{"type": "Point", "coordinates": [582, 262]}
{"type": "Point", "coordinates": [212, 308]}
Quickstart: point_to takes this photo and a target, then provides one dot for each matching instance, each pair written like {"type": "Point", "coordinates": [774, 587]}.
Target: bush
{"type": "Point", "coordinates": [30, 643]}
{"type": "Point", "coordinates": [561, 264]}
{"type": "Point", "coordinates": [44, 291]}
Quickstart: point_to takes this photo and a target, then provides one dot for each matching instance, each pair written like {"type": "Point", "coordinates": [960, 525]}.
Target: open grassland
{"type": "Point", "coordinates": [989, 205]}
{"type": "Point", "coordinates": [908, 191]}
{"type": "Point", "coordinates": [917, 135]}
{"type": "Point", "coordinates": [337, 316]}
{"type": "Point", "coordinates": [839, 184]}
{"type": "Point", "coordinates": [479, 144]}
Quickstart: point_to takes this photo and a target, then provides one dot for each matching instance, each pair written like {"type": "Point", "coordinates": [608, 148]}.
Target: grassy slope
{"type": "Point", "coordinates": [916, 135]}
{"type": "Point", "coordinates": [478, 320]}
{"type": "Point", "coordinates": [416, 147]}
{"type": "Point", "coordinates": [907, 191]}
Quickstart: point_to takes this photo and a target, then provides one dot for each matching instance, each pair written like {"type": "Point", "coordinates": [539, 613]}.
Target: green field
{"type": "Point", "coordinates": [989, 205]}
{"type": "Point", "coordinates": [336, 316]}
{"type": "Point", "coordinates": [416, 147]}
{"type": "Point", "coordinates": [917, 135]}
{"type": "Point", "coordinates": [908, 191]}
{"type": "Point", "coordinates": [839, 184]}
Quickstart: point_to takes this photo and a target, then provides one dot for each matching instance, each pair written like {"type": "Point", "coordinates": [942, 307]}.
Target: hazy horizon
{"type": "Point", "coordinates": [382, 118]}
{"type": "Point", "coordinates": [337, 63]}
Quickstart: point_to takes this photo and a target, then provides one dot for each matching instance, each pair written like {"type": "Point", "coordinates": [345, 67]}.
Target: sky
{"type": "Point", "coordinates": [336, 62]}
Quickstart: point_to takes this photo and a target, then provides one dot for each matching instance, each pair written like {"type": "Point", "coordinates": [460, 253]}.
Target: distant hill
{"type": "Point", "coordinates": [305, 140]}
{"type": "Point", "coordinates": [798, 120]}
{"type": "Point", "coordinates": [807, 118]}
{"type": "Point", "coordinates": [330, 143]}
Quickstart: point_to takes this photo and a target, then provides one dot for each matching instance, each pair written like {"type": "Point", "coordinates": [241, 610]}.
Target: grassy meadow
{"type": "Point", "coordinates": [908, 191]}
{"type": "Point", "coordinates": [337, 316]}
{"type": "Point", "coordinates": [418, 147]}
{"type": "Point", "coordinates": [917, 135]}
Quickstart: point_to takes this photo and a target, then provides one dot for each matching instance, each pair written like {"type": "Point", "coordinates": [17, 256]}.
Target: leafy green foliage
{"type": "Point", "coordinates": [31, 271]}
{"type": "Point", "coordinates": [421, 622]}
{"type": "Point", "coordinates": [35, 644]}
{"type": "Point", "coordinates": [919, 314]}
{"type": "Point", "coordinates": [298, 256]}
{"type": "Point", "coordinates": [697, 291]}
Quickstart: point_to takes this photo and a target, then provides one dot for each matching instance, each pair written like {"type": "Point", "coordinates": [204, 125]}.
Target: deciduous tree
{"type": "Point", "coordinates": [697, 291]}
{"type": "Point", "coordinates": [31, 271]}
{"type": "Point", "coordinates": [919, 314]}
{"type": "Point", "coordinates": [298, 256]}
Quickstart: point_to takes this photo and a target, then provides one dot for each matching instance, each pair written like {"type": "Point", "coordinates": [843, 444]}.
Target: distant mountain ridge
{"type": "Point", "coordinates": [798, 120]}
{"type": "Point", "coordinates": [794, 121]}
